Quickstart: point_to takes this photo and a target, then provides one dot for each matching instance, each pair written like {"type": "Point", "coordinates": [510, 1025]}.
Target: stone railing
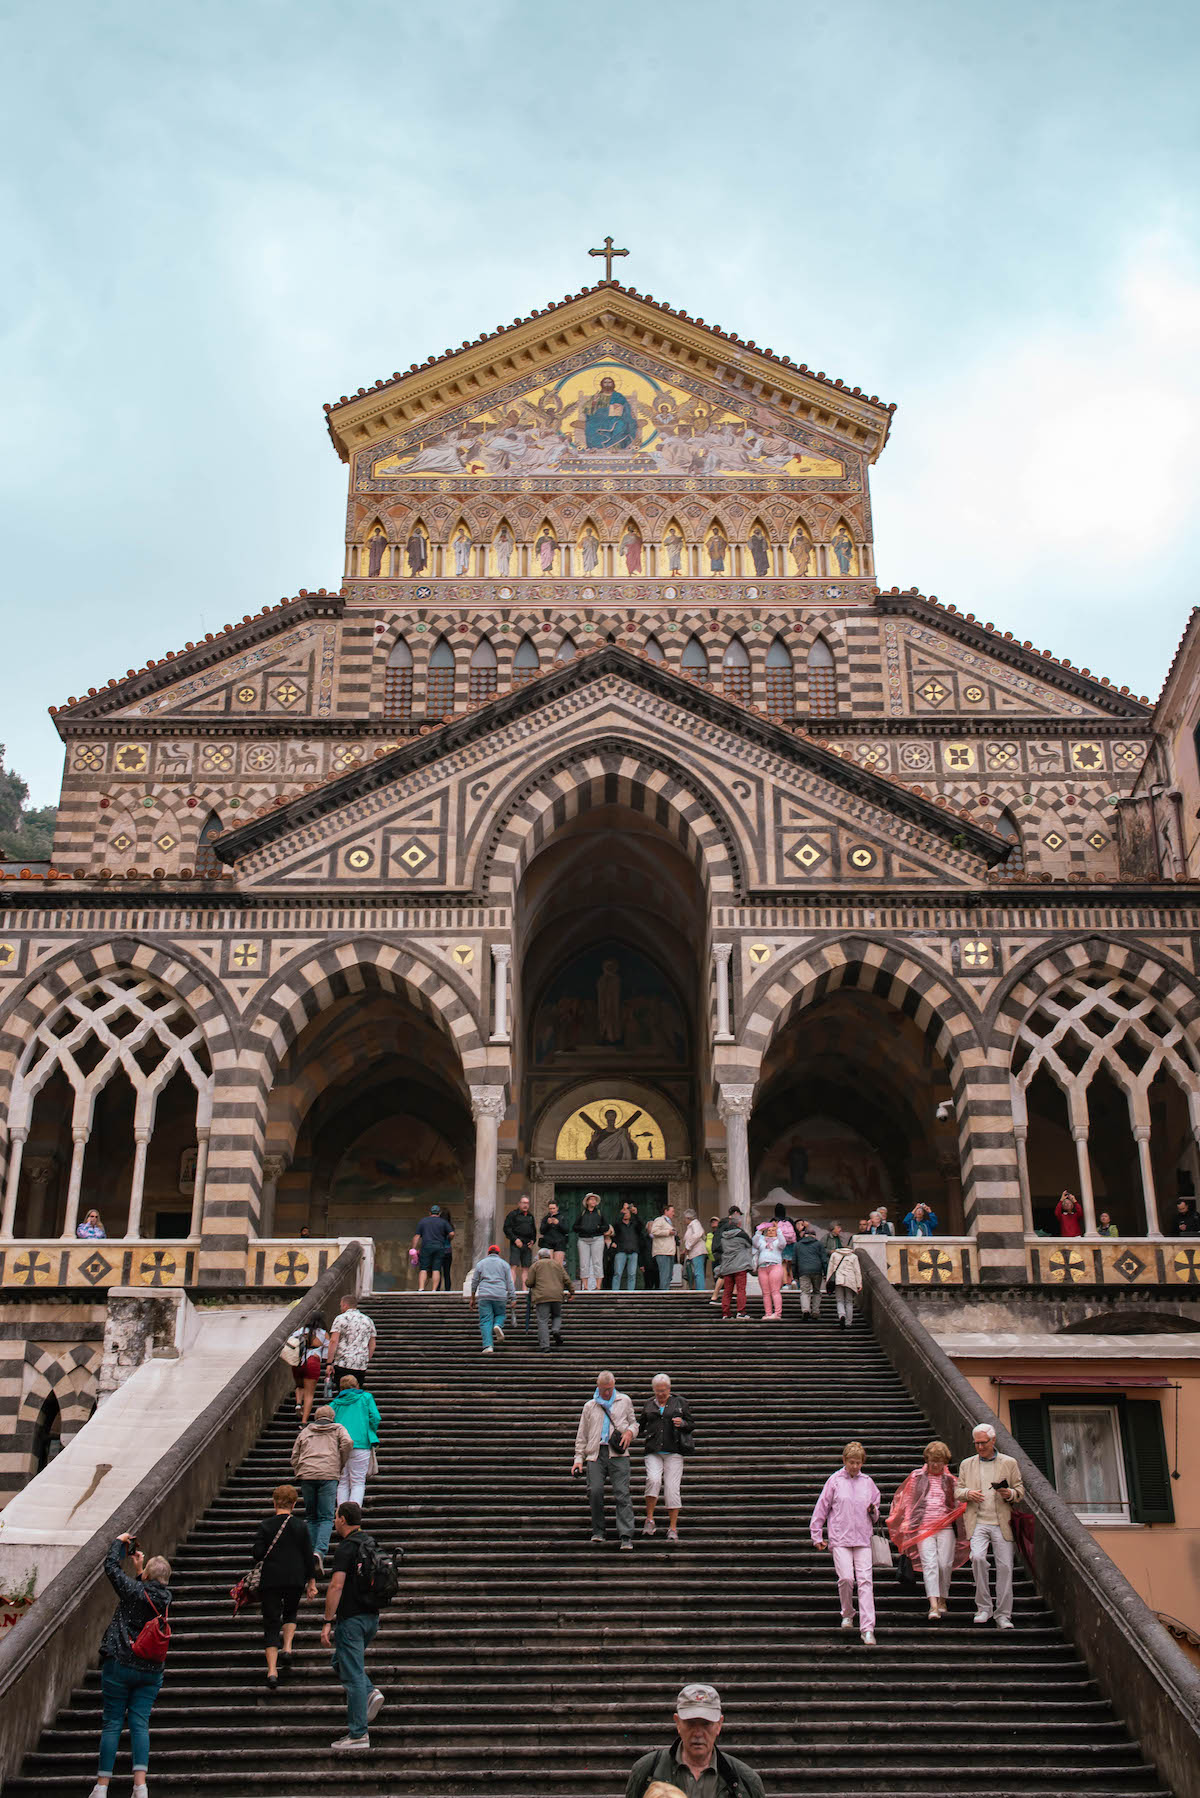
{"type": "Point", "coordinates": [1112, 1260]}
{"type": "Point", "coordinates": [292, 1263]}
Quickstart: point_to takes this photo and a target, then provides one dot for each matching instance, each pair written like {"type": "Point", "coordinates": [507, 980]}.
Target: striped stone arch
{"type": "Point", "coordinates": [1175, 989]}
{"type": "Point", "coordinates": [71, 1378]}
{"type": "Point", "coordinates": [923, 991]}
{"type": "Point", "coordinates": [612, 773]}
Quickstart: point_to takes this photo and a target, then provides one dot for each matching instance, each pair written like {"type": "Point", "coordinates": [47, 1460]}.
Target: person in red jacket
{"type": "Point", "coordinates": [1069, 1215]}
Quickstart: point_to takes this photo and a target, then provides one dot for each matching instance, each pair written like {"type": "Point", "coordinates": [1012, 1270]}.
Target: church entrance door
{"type": "Point", "coordinates": [649, 1196]}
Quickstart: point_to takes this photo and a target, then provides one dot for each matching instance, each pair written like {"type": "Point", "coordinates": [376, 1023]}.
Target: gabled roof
{"type": "Point", "coordinates": [844, 771]}
{"type": "Point", "coordinates": [179, 664]}
{"type": "Point", "coordinates": [356, 419]}
{"type": "Point", "coordinates": [1004, 647]}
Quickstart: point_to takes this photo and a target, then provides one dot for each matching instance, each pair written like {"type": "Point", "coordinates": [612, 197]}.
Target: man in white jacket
{"type": "Point", "coordinates": [991, 1485]}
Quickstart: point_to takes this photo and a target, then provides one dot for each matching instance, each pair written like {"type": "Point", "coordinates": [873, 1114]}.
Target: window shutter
{"type": "Point", "coordinates": [1146, 1462]}
{"type": "Point", "coordinates": [1028, 1422]}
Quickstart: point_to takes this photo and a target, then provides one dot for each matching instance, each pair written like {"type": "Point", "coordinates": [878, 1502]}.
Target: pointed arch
{"type": "Point", "coordinates": [462, 544]}
{"type": "Point", "coordinates": [654, 649]}
{"type": "Point", "coordinates": [674, 549]}
{"type": "Point", "coordinates": [526, 662]}
{"type": "Point", "coordinates": [758, 543]}
{"type": "Point", "coordinates": [735, 671]}
{"type": "Point", "coordinates": [1013, 865]}
{"type": "Point", "coordinates": [694, 661]}
{"type": "Point", "coordinates": [208, 865]}
{"type": "Point", "coordinates": [843, 549]}
{"type": "Point", "coordinates": [483, 676]}
{"type": "Point", "coordinates": [545, 548]}
{"type": "Point", "coordinates": [566, 649]}
{"type": "Point", "coordinates": [504, 543]}
{"type": "Point", "coordinates": [780, 679]}
{"type": "Point", "coordinates": [589, 547]}
{"type": "Point", "coordinates": [717, 549]}
{"type": "Point", "coordinates": [398, 681]}
{"type": "Point", "coordinates": [439, 679]}
{"type": "Point", "coordinates": [375, 546]}
{"type": "Point", "coordinates": [801, 549]}
{"type": "Point", "coordinates": [416, 549]}
{"type": "Point", "coordinates": [632, 546]}
{"type": "Point", "coordinates": [822, 680]}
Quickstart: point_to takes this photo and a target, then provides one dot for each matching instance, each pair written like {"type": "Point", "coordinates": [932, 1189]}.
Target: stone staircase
{"type": "Point", "coordinates": [520, 1660]}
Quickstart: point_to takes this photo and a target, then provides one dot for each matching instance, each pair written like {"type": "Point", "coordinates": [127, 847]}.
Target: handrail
{"type": "Point", "coordinates": [46, 1655]}
{"type": "Point", "coordinates": [1145, 1675]}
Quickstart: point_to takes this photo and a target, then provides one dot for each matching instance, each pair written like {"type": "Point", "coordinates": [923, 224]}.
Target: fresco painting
{"type": "Point", "coordinates": [829, 1166]}
{"type": "Point", "coordinates": [611, 1002]}
{"type": "Point", "coordinates": [384, 1184]}
{"type": "Point", "coordinates": [609, 1130]}
{"type": "Point", "coordinates": [611, 416]}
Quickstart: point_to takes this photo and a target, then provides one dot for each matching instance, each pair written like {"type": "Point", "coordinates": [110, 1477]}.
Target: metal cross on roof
{"type": "Point", "coordinates": [608, 253]}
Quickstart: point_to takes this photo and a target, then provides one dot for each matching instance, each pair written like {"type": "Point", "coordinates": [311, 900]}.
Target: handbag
{"type": "Point", "coordinates": [246, 1590]}
{"type": "Point", "coordinates": [881, 1550]}
{"type": "Point", "coordinates": [373, 1465]}
{"type": "Point", "coordinates": [154, 1638]}
{"type": "Point", "coordinates": [291, 1351]}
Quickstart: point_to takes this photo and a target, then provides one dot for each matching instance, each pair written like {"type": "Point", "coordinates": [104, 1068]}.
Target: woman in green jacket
{"type": "Point", "coordinates": [358, 1413]}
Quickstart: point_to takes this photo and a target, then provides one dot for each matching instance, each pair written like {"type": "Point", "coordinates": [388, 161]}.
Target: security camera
{"type": "Point", "coordinates": [944, 1110]}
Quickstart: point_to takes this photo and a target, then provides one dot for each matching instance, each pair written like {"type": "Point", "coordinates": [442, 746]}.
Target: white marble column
{"type": "Point", "coordinates": [141, 1138]}
{"type": "Point", "coordinates": [197, 1224]}
{"type": "Point", "coordinates": [721, 953]}
{"type": "Point", "coordinates": [1077, 1107]}
{"type": "Point", "coordinates": [487, 1109]}
{"type": "Point", "coordinates": [734, 1105]}
{"type": "Point", "coordinates": [16, 1148]}
{"type": "Point", "coordinates": [1141, 1135]}
{"type": "Point", "coordinates": [501, 957]}
{"type": "Point", "coordinates": [75, 1183]}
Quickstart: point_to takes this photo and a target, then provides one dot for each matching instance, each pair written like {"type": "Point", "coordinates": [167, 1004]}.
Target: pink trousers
{"type": "Point", "coordinates": [770, 1280]}
{"type": "Point", "coordinates": [853, 1566]}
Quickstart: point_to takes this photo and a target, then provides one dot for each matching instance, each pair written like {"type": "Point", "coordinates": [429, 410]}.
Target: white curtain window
{"type": "Point", "coordinates": [1089, 1468]}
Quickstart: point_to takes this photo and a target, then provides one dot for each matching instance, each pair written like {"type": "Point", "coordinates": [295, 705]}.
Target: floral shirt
{"type": "Point", "coordinates": [355, 1333]}
{"type": "Point", "coordinates": [93, 1230]}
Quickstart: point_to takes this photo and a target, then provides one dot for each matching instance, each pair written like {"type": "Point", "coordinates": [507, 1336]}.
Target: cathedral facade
{"type": "Point", "coordinates": [610, 826]}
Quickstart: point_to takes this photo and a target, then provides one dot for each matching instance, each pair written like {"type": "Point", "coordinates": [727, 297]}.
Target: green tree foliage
{"type": "Point", "coordinates": [24, 835]}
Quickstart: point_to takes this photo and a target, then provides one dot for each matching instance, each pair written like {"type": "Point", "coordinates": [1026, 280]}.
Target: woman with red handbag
{"type": "Point", "coordinates": [132, 1657]}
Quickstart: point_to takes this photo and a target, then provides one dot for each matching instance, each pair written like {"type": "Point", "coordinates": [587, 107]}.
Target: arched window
{"type": "Point", "coordinates": [822, 680]}
{"type": "Point", "coordinates": [694, 661]}
{"type": "Point", "coordinates": [781, 680]}
{"type": "Point", "coordinates": [207, 865]}
{"type": "Point", "coordinates": [398, 681]}
{"type": "Point", "coordinates": [566, 650]}
{"type": "Point", "coordinates": [735, 671]}
{"type": "Point", "coordinates": [1013, 865]}
{"type": "Point", "coordinates": [654, 649]}
{"type": "Point", "coordinates": [525, 662]}
{"type": "Point", "coordinates": [439, 685]}
{"type": "Point", "coordinates": [483, 675]}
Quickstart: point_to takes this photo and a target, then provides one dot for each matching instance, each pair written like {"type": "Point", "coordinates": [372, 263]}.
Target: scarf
{"type": "Point", "coordinates": [606, 1405]}
{"type": "Point", "coordinates": [906, 1520]}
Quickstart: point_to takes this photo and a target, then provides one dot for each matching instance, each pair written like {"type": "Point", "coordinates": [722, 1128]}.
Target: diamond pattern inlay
{"type": "Point", "coordinates": [413, 855]}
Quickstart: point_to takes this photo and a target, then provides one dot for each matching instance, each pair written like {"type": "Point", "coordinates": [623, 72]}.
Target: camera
{"type": "Point", "coordinates": [999, 1485]}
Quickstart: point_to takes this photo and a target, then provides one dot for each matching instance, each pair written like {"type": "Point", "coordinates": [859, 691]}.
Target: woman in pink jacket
{"type": "Point", "coordinates": [844, 1521]}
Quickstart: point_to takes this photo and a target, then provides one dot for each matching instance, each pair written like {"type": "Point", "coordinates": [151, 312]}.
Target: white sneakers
{"type": "Point", "coordinates": [348, 1742]}
{"type": "Point", "coordinates": [375, 1703]}
{"type": "Point", "coordinates": [847, 1623]}
{"type": "Point", "coordinates": [1004, 1623]}
{"type": "Point", "coordinates": [982, 1617]}
{"type": "Point", "coordinates": [649, 1528]}
{"type": "Point", "coordinates": [868, 1638]}
{"type": "Point", "coordinates": [498, 1333]}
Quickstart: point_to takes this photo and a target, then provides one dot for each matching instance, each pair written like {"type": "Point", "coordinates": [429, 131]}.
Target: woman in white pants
{"type": "Point", "coordinates": [844, 1274]}
{"type": "Point", "coordinates": [925, 1523]}
{"type": "Point", "coordinates": [665, 1432]}
{"type": "Point", "coordinates": [590, 1232]}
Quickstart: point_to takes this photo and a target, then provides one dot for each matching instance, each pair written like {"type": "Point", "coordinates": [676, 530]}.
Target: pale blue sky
{"type": "Point", "coordinates": [215, 219]}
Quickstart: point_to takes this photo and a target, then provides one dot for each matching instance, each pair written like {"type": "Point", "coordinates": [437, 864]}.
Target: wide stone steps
{"type": "Point", "coordinates": [519, 1660]}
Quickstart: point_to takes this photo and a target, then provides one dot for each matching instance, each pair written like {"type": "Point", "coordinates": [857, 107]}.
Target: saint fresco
{"type": "Point", "coordinates": [609, 1003]}
{"type": "Point", "coordinates": [612, 416]}
{"type": "Point", "coordinates": [610, 1130]}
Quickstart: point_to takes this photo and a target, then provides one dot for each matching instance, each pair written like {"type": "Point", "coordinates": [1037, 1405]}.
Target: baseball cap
{"type": "Point", "coordinates": [699, 1701]}
{"type": "Point", "coordinates": [435, 1211]}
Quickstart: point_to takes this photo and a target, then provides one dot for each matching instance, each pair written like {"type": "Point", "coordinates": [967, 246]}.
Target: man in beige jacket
{"type": "Point", "coordinates": [546, 1282]}
{"type": "Point", "coordinates": [319, 1454]}
{"type": "Point", "coordinates": [991, 1485]}
{"type": "Point", "coordinates": [607, 1426]}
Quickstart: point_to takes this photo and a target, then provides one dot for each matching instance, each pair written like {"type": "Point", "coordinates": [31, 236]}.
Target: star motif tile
{"type": "Point", "coordinates": [1087, 755]}
{"type": "Point", "coordinates": [286, 693]}
{"type": "Point", "coordinates": [862, 858]}
{"type": "Point", "coordinates": [95, 1268]}
{"type": "Point", "coordinates": [934, 692]}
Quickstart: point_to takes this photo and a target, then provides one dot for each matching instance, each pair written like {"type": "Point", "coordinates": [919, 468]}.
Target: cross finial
{"type": "Point", "coordinates": [608, 253]}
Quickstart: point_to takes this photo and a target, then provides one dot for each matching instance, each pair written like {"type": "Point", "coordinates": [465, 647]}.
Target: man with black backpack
{"type": "Point", "coordinates": [364, 1581]}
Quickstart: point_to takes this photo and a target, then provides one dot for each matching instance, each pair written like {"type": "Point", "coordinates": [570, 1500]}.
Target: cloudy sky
{"type": "Point", "coordinates": [215, 218]}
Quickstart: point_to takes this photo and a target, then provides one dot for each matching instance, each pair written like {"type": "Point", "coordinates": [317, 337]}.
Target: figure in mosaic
{"type": "Point", "coordinates": [760, 550]}
{"type": "Point", "coordinates": [504, 550]}
{"type": "Point", "coordinates": [544, 549]}
{"type": "Point", "coordinates": [673, 544]}
{"type": "Point", "coordinates": [608, 1003]}
{"type": "Point", "coordinates": [463, 546]}
{"type": "Point", "coordinates": [608, 419]}
{"type": "Point", "coordinates": [611, 1141]}
{"type": "Point", "coordinates": [801, 549]}
{"type": "Point", "coordinates": [718, 547]}
{"type": "Point", "coordinates": [375, 549]}
{"type": "Point", "coordinates": [416, 552]}
{"type": "Point", "coordinates": [589, 550]}
{"type": "Point", "coordinates": [631, 549]}
{"type": "Point", "coordinates": [843, 549]}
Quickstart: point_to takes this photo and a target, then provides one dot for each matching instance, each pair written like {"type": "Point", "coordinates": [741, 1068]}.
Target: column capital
{"type": "Point", "coordinates": [274, 1167]}
{"type": "Point", "coordinates": [718, 1160]}
{"type": "Point", "coordinates": [504, 1164]}
{"type": "Point", "coordinates": [1141, 1133]}
{"type": "Point", "coordinates": [501, 951]}
{"type": "Point", "coordinates": [722, 951]}
{"type": "Point", "coordinates": [735, 1101]}
{"type": "Point", "coordinates": [488, 1102]}
{"type": "Point", "coordinates": [39, 1169]}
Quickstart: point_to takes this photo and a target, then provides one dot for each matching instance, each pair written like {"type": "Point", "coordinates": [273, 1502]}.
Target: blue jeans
{"type": "Point", "coordinates": [491, 1313]}
{"type": "Point", "coordinates": [127, 1692]}
{"type": "Point", "coordinates": [320, 1503]}
{"type": "Point", "coordinates": [625, 1264]}
{"type": "Point", "coordinates": [666, 1268]}
{"type": "Point", "coordinates": [352, 1636]}
{"type": "Point", "coordinates": [698, 1262]}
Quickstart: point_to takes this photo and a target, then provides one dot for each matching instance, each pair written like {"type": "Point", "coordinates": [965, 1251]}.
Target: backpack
{"type": "Point", "coordinates": [377, 1573]}
{"type": "Point", "coordinates": [154, 1638]}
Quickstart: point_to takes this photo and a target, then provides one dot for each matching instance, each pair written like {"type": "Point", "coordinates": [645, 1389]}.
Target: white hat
{"type": "Point", "coordinates": [699, 1701]}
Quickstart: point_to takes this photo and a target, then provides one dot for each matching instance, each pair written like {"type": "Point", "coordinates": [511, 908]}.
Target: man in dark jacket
{"type": "Point", "coordinates": [546, 1282]}
{"type": "Point", "coordinates": [733, 1221]}
{"type": "Point", "coordinates": [812, 1258]}
{"type": "Point", "coordinates": [627, 1243]}
{"type": "Point", "coordinates": [520, 1228]}
{"type": "Point", "coordinates": [694, 1754]}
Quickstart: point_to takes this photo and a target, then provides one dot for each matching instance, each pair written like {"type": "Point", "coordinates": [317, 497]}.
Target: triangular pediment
{"type": "Point", "coordinates": [795, 813]}
{"type": "Point", "coordinates": [665, 358]}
